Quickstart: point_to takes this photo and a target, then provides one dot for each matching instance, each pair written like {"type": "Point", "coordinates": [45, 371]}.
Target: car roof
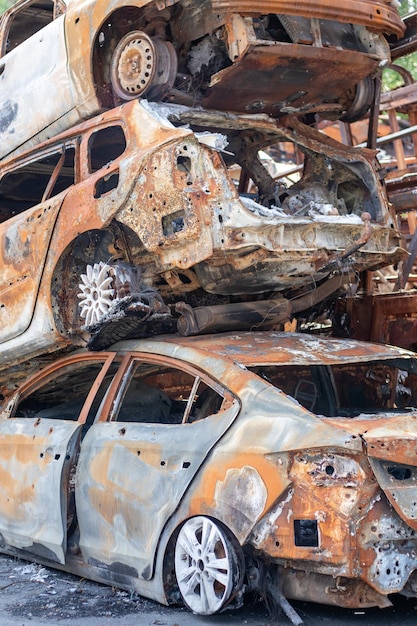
{"type": "Point", "coordinates": [117, 115]}
{"type": "Point", "coordinates": [251, 348]}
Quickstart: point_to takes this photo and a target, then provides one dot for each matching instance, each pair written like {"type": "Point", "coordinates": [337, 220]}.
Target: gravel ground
{"type": "Point", "coordinates": [32, 595]}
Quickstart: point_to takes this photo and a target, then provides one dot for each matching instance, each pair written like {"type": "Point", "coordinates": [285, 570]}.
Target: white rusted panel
{"type": "Point", "coordinates": [271, 347]}
{"type": "Point", "coordinates": [130, 480]}
{"type": "Point", "coordinates": [34, 484]}
{"type": "Point", "coordinates": [30, 106]}
{"type": "Point", "coordinates": [40, 336]}
{"type": "Point", "coordinates": [24, 247]}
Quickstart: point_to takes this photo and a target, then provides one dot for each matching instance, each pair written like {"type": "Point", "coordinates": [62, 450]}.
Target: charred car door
{"type": "Point", "coordinates": [39, 446]}
{"type": "Point", "coordinates": [31, 196]}
{"type": "Point", "coordinates": [133, 472]}
{"type": "Point", "coordinates": [43, 103]}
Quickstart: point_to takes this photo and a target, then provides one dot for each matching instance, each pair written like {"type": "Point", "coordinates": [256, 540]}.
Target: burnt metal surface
{"type": "Point", "coordinates": [385, 317]}
{"type": "Point", "coordinates": [297, 70]}
{"type": "Point", "coordinates": [215, 241]}
{"type": "Point", "coordinates": [407, 43]}
{"type": "Point", "coordinates": [32, 512]}
{"type": "Point", "coordinates": [306, 493]}
{"type": "Point", "coordinates": [380, 16]}
{"type": "Point", "coordinates": [210, 53]}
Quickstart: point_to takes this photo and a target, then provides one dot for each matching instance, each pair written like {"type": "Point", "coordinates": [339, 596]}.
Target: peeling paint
{"type": "Point", "coordinates": [207, 244]}
{"type": "Point", "coordinates": [307, 492]}
{"type": "Point", "coordinates": [200, 53]}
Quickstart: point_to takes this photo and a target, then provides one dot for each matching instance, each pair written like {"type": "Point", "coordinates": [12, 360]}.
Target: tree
{"type": "Point", "coordinates": [5, 4]}
{"type": "Point", "coordinates": [407, 6]}
{"type": "Point", "coordinates": [391, 79]}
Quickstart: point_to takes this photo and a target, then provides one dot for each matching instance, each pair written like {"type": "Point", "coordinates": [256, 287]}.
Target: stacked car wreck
{"type": "Point", "coordinates": [167, 178]}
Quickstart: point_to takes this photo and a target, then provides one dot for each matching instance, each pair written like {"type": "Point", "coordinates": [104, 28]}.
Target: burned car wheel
{"type": "Point", "coordinates": [361, 101]}
{"type": "Point", "coordinates": [207, 566]}
{"type": "Point", "coordinates": [96, 292]}
{"type": "Point", "coordinates": [142, 65]}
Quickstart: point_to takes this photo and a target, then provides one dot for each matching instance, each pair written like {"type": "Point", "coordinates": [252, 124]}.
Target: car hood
{"type": "Point", "coordinates": [391, 443]}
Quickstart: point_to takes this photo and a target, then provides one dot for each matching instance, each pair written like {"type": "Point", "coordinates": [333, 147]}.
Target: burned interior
{"type": "Point", "coordinates": [25, 21]}
{"type": "Point", "coordinates": [154, 394]}
{"type": "Point", "coordinates": [290, 167]}
{"type": "Point", "coordinates": [347, 390]}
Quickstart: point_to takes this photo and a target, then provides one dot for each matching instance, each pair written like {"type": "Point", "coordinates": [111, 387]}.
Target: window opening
{"type": "Point", "coordinates": [29, 185]}
{"type": "Point", "coordinates": [307, 384]}
{"type": "Point", "coordinates": [106, 184]}
{"type": "Point", "coordinates": [348, 389]}
{"type": "Point", "coordinates": [63, 396]}
{"type": "Point", "coordinates": [29, 21]}
{"type": "Point", "coordinates": [373, 387]}
{"type": "Point", "coordinates": [166, 395]}
{"type": "Point", "coordinates": [105, 145]}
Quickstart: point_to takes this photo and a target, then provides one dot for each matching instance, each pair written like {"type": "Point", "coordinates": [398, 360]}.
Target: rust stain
{"type": "Point", "coordinates": [377, 15]}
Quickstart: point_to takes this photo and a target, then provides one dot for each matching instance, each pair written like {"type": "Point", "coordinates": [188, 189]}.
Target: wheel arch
{"type": "Point", "coordinates": [113, 28]}
{"type": "Point", "coordinates": [88, 247]}
{"type": "Point", "coordinates": [169, 581]}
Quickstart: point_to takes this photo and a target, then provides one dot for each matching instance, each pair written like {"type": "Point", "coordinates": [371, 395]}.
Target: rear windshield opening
{"type": "Point", "coordinates": [346, 390]}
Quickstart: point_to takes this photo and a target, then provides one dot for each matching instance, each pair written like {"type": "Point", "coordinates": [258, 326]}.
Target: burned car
{"type": "Point", "coordinates": [200, 469]}
{"type": "Point", "coordinates": [87, 56]}
{"type": "Point", "coordinates": [131, 216]}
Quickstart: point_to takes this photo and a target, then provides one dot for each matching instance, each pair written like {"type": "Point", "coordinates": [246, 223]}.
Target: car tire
{"type": "Point", "coordinates": [209, 565]}
{"type": "Point", "coordinates": [142, 66]}
{"type": "Point", "coordinates": [362, 101]}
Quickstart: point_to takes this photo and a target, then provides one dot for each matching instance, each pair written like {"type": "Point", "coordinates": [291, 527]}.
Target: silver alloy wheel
{"type": "Point", "coordinates": [96, 294]}
{"type": "Point", "coordinates": [206, 566]}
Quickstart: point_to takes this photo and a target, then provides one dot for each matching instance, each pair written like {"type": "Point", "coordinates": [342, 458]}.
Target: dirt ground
{"type": "Point", "coordinates": [32, 595]}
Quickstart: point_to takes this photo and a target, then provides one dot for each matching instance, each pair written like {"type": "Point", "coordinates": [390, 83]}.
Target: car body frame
{"type": "Point", "coordinates": [87, 56]}
{"type": "Point", "coordinates": [288, 460]}
{"type": "Point", "coordinates": [136, 208]}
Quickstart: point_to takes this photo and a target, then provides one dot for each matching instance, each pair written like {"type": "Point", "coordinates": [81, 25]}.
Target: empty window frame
{"type": "Point", "coordinates": [26, 22]}
{"type": "Point", "coordinates": [37, 181]}
{"type": "Point", "coordinates": [347, 389]}
{"type": "Point", "coordinates": [63, 394]}
{"type": "Point", "coordinates": [308, 385]}
{"type": "Point", "coordinates": [166, 395]}
{"type": "Point", "coordinates": [373, 387]}
{"type": "Point", "coordinates": [104, 146]}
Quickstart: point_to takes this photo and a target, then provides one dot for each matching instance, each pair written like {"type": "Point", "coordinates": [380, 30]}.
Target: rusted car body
{"type": "Point", "coordinates": [202, 468]}
{"type": "Point", "coordinates": [383, 317]}
{"type": "Point", "coordinates": [384, 306]}
{"type": "Point", "coordinates": [86, 56]}
{"type": "Point", "coordinates": [129, 210]}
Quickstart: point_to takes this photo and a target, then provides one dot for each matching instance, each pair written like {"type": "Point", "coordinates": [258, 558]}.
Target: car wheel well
{"type": "Point", "coordinates": [237, 558]}
{"type": "Point", "coordinates": [90, 247]}
{"type": "Point", "coordinates": [172, 592]}
{"type": "Point", "coordinates": [114, 28]}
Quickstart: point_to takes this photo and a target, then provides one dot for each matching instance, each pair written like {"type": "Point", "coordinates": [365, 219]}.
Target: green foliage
{"type": "Point", "coordinates": [408, 6]}
{"type": "Point", "coordinates": [5, 4]}
{"type": "Point", "coordinates": [390, 78]}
